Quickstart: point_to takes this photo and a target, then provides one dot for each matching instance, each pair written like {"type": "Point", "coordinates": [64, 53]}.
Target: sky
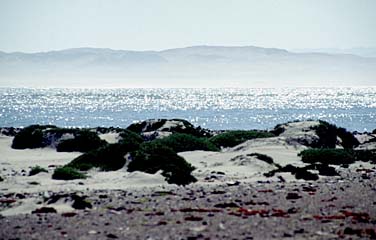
{"type": "Point", "coordinates": [44, 25]}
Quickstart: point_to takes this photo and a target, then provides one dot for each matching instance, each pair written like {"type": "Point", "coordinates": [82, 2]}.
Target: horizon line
{"type": "Point", "coordinates": [294, 50]}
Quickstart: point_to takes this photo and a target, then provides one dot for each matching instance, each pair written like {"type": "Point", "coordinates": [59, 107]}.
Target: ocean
{"type": "Point", "coordinates": [251, 108]}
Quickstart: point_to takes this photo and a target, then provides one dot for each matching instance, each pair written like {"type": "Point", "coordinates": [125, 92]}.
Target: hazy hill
{"type": "Point", "coordinates": [198, 66]}
{"type": "Point", "coordinates": [360, 51]}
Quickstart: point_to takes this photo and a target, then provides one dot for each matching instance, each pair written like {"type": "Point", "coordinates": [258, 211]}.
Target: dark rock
{"type": "Point", "coordinates": [226, 205]}
{"type": "Point", "coordinates": [302, 173]}
{"type": "Point", "coordinates": [110, 235]}
{"type": "Point", "coordinates": [69, 214]}
{"type": "Point", "coordinates": [299, 231]}
{"type": "Point", "coordinates": [236, 183]}
{"type": "Point", "coordinates": [193, 218]}
{"type": "Point", "coordinates": [168, 125]}
{"type": "Point", "coordinates": [293, 196]}
{"type": "Point", "coordinates": [45, 210]}
{"type": "Point", "coordinates": [80, 202]}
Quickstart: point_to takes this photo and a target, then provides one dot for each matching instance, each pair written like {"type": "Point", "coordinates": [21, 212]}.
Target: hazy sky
{"type": "Point", "coordinates": [41, 25]}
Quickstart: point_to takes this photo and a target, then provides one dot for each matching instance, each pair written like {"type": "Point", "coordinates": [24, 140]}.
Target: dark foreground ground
{"type": "Point", "coordinates": [327, 209]}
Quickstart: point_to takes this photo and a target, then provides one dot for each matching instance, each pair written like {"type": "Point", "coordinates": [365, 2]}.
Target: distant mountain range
{"type": "Point", "coordinates": [360, 51]}
{"type": "Point", "coordinates": [197, 66]}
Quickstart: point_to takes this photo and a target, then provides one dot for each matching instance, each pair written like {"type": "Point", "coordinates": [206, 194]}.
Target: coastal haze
{"type": "Point", "coordinates": [196, 66]}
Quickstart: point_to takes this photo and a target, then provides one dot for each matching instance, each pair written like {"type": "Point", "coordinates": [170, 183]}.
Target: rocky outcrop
{"type": "Point", "coordinates": [159, 128]}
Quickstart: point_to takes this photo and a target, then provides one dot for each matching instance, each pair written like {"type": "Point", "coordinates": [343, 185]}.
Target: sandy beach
{"type": "Point", "coordinates": [232, 198]}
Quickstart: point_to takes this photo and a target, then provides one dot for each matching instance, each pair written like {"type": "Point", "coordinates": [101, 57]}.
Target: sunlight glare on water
{"type": "Point", "coordinates": [261, 108]}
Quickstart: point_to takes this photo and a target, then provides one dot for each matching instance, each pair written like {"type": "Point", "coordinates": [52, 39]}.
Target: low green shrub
{"type": "Point", "coordinates": [30, 137]}
{"type": "Point", "coordinates": [83, 141]}
{"type": "Point", "coordinates": [107, 158]}
{"type": "Point", "coordinates": [327, 156]}
{"type": "Point", "coordinates": [327, 134]}
{"type": "Point", "coordinates": [348, 139]}
{"type": "Point", "coordinates": [153, 156]}
{"type": "Point", "coordinates": [67, 173]}
{"type": "Point", "coordinates": [278, 130]}
{"type": "Point", "coordinates": [365, 155]}
{"type": "Point", "coordinates": [233, 138]}
{"type": "Point", "coordinates": [180, 142]}
{"type": "Point", "coordinates": [131, 139]}
{"type": "Point", "coordinates": [37, 169]}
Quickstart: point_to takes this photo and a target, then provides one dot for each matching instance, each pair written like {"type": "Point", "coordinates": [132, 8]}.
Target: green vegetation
{"type": "Point", "coordinates": [327, 156]}
{"type": "Point", "coordinates": [348, 139]}
{"type": "Point", "coordinates": [180, 142]}
{"type": "Point", "coordinates": [67, 173]}
{"type": "Point", "coordinates": [278, 130]}
{"type": "Point", "coordinates": [30, 137]}
{"type": "Point", "coordinates": [130, 139]}
{"type": "Point", "coordinates": [365, 155]}
{"type": "Point", "coordinates": [37, 136]}
{"type": "Point", "coordinates": [337, 156]}
{"type": "Point", "coordinates": [83, 141]}
{"type": "Point", "coordinates": [37, 169]}
{"type": "Point", "coordinates": [328, 136]}
{"type": "Point", "coordinates": [153, 156]}
{"type": "Point", "coordinates": [233, 138]}
{"type": "Point", "coordinates": [109, 157]}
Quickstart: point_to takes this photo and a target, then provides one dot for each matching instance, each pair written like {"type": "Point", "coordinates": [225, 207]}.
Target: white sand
{"type": "Point", "coordinates": [16, 164]}
{"type": "Point", "coordinates": [235, 163]}
{"type": "Point", "coordinates": [111, 137]}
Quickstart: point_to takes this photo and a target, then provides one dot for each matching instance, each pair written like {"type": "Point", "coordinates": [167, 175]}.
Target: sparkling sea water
{"type": "Point", "coordinates": [253, 108]}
